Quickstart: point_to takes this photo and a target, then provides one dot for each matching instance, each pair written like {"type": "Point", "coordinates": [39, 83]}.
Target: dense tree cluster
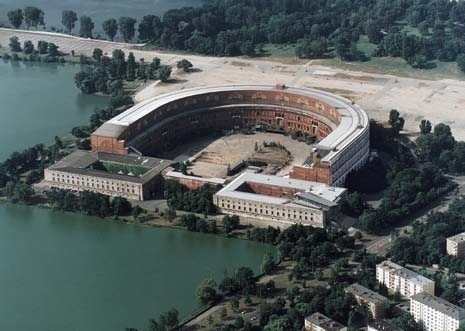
{"type": "Point", "coordinates": [89, 203]}
{"type": "Point", "coordinates": [196, 224]}
{"type": "Point", "coordinates": [427, 243]}
{"type": "Point", "coordinates": [196, 201]}
{"type": "Point", "coordinates": [410, 189]}
{"type": "Point", "coordinates": [440, 148]}
{"type": "Point", "coordinates": [106, 75]}
{"type": "Point", "coordinates": [318, 28]}
{"type": "Point", "coordinates": [230, 223]}
{"type": "Point", "coordinates": [44, 52]}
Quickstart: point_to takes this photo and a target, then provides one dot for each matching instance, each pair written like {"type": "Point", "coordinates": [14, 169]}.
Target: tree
{"type": "Point", "coordinates": [150, 28]}
{"type": "Point", "coordinates": [223, 313]}
{"type": "Point", "coordinates": [42, 47]}
{"type": "Point", "coordinates": [16, 17]}
{"type": "Point", "coordinates": [28, 47]}
{"type": "Point", "coordinates": [121, 206]}
{"type": "Point", "coordinates": [68, 19]}
{"type": "Point", "coordinates": [18, 192]}
{"type": "Point", "coordinates": [234, 304]}
{"type": "Point", "coordinates": [278, 324]}
{"type": "Point", "coordinates": [206, 292]}
{"type": "Point", "coordinates": [86, 27]}
{"type": "Point", "coordinates": [406, 323]}
{"type": "Point", "coordinates": [353, 204]}
{"type": "Point", "coordinates": [268, 264]}
{"type": "Point", "coordinates": [97, 54]}
{"type": "Point", "coordinates": [110, 27]}
{"type": "Point", "coordinates": [126, 27]}
{"type": "Point", "coordinates": [184, 65]}
{"type": "Point", "coordinates": [131, 67]}
{"type": "Point", "coordinates": [118, 63]}
{"type": "Point", "coordinates": [373, 30]}
{"type": "Point", "coordinates": [14, 44]}
{"type": "Point", "coordinates": [85, 83]}
{"type": "Point", "coordinates": [311, 49]}
{"type": "Point", "coordinates": [230, 223]}
{"type": "Point", "coordinates": [164, 73]}
{"type": "Point", "coordinates": [52, 49]}
{"type": "Point", "coordinates": [461, 62]}
{"type": "Point", "coordinates": [166, 322]}
{"type": "Point", "coordinates": [425, 127]}
{"type": "Point", "coordinates": [396, 121]}
{"type": "Point", "coordinates": [33, 17]}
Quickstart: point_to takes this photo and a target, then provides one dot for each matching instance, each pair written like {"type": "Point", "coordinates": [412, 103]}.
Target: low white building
{"type": "Point", "coordinates": [320, 322]}
{"type": "Point", "coordinates": [280, 200]}
{"type": "Point", "coordinates": [435, 314]}
{"type": "Point", "coordinates": [381, 325]}
{"type": "Point", "coordinates": [455, 245]}
{"type": "Point", "coordinates": [130, 177]}
{"type": "Point", "coordinates": [402, 280]}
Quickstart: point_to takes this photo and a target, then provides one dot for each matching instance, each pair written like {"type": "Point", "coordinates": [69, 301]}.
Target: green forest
{"type": "Point", "coordinates": [418, 31]}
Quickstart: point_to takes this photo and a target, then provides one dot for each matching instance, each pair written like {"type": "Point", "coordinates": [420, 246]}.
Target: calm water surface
{"type": "Point", "coordinates": [67, 272]}
{"type": "Point", "coordinates": [39, 101]}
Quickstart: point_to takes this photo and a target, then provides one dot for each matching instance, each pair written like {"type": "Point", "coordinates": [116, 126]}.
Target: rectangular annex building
{"type": "Point", "coordinates": [375, 302]}
{"type": "Point", "coordinates": [131, 177]}
{"type": "Point", "coordinates": [281, 200]}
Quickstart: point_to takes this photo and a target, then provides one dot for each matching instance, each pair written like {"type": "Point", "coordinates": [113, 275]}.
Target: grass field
{"type": "Point", "coordinates": [398, 67]}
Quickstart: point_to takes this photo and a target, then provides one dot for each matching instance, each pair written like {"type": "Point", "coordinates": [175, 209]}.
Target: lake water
{"type": "Point", "coordinates": [75, 273]}
{"type": "Point", "coordinates": [68, 272]}
{"type": "Point", "coordinates": [38, 102]}
{"type": "Point", "coordinates": [98, 10]}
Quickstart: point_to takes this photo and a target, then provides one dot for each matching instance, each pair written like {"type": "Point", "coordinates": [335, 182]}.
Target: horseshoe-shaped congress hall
{"type": "Point", "coordinates": [340, 127]}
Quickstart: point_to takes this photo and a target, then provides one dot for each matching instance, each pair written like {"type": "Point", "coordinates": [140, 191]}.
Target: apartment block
{"type": "Point", "coordinates": [435, 314]}
{"type": "Point", "coordinates": [455, 245]}
{"type": "Point", "coordinates": [376, 303]}
{"type": "Point", "coordinates": [402, 280]}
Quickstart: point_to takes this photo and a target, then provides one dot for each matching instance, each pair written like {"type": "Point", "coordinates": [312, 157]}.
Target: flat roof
{"type": "Point", "coordinates": [175, 174]}
{"type": "Point", "coordinates": [79, 162]}
{"type": "Point", "coordinates": [353, 119]}
{"type": "Point", "coordinates": [366, 294]}
{"type": "Point", "coordinates": [382, 325]}
{"type": "Point", "coordinates": [441, 305]}
{"type": "Point", "coordinates": [324, 322]}
{"type": "Point", "coordinates": [318, 192]}
{"type": "Point", "coordinates": [405, 273]}
{"type": "Point", "coordinates": [458, 237]}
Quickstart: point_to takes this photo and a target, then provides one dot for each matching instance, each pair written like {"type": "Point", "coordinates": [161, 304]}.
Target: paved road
{"type": "Point", "coordinates": [380, 245]}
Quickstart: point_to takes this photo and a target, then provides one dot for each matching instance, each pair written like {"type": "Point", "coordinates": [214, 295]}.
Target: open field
{"type": "Point", "coordinates": [440, 100]}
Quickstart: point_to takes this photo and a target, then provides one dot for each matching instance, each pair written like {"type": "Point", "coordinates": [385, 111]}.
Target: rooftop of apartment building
{"type": "Point", "coordinates": [396, 269]}
{"type": "Point", "coordinates": [324, 322]}
{"type": "Point", "coordinates": [366, 294]}
{"type": "Point", "coordinates": [440, 305]}
{"type": "Point", "coordinates": [458, 237]}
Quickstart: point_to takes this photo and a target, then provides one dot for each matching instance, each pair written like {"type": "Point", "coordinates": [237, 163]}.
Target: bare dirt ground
{"type": "Point", "coordinates": [416, 99]}
{"type": "Point", "coordinates": [217, 154]}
